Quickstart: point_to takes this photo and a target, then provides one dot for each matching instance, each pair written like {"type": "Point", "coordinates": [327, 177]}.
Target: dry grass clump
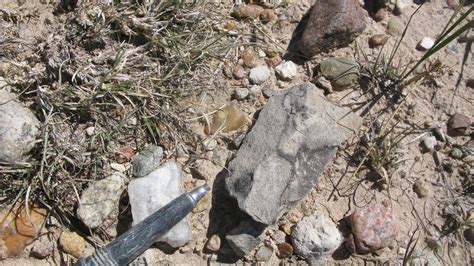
{"type": "Point", "coordinates": [119, 68]}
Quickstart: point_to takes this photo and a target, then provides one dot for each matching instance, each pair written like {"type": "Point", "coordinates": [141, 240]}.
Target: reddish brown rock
{"type": "Point", "coordinates": [19, 228]}
{"type": "Point", "coordinates": [124, 154]}
{"type": "Point", "coordinates": [373, 228]}
{"type": "Point", "coordinates": [285, 250]}
{"type": "Point", "coordinates": [379, 15]}
{"type": "Point", "coordinates": [331, 24]}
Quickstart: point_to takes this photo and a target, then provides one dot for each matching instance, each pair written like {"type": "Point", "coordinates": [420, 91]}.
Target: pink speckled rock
{"type": "Point", "coordinates": [373, 227]}
{"type": "Point", "coordinates": [239, 72]}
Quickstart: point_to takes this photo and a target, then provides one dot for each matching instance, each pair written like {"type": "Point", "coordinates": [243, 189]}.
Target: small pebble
{"type": "Point", "coordinates": [324, 84]}
{"type": "Point", "coordinates": [425, 44]}
{"type": "Point", "coordinates": [394, 27]}
{"type": "Point", "coordinates": [267, 15]}
{"type": "Point", "coordinates": [378, 40]}
{"type": "Point", "coordinates": [400, 7]}
{"type": "Point", "coordinates": [147, 160]}
{"type": "Point", "coordinates": [124, 154]}
{"type": "Point", "coordinates": [294, 216]}
{"type": "Point", "coordinates": [268, 91]}
{"type": "Point", "coordinates": [373, 227]}
{"type": "Point", "coordinates": [470, 83]}
{"type": "Point", "coordinates": [249, 57]}
{"type": "Point", "coordinates": [453, 47]}
{"type": "Point", "coordinates": [90, 131]}
{"type": "Point", "coordinates": [285, 250]}
{"type": "Point", "coordinates": [264, 253]}
{"type": "Point", "coordinates": [259, 74]}
{"type": "Point", "coordinates": [419, 187]}
{"type": "Point", "coordinates": [209, 144]}
{"type": "Point", "coordinates": [428, 144]}
{"type": "Point", "coordinates": [118, 167]}
{"type": "Point", "coordinates": [453, 4]}
{"type": "Point", "coordinates": [245, 82]}
{"type": "Point", "coordinates": [469, 235]}
{"type": "Point", "coordinates": [241, 93]}
{"type": "Point", "coordinates": [380, 15]}
{"type": "Point", "coordinates": [456, 153]}
{"type": "Point", "coordinates": [239, 72]}
{"type": "Point", "coordinates": [255, 91]}
{"type": "Point", "coordinates": [279, 236]}
{"type": "Point", "coordinates": [272, 51]}
{"type": "Point", "coordinates": [213, 244]}
{"type": "Point", "coordinates": [286, 70]}
{"type": "Point", "coordinates": [42, 247]}
{"type": "Point", "coordinates": [458, 125]}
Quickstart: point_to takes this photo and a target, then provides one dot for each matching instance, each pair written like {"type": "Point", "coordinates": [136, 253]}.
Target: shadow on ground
{"type": "Point", "coordinates": [224, 216]}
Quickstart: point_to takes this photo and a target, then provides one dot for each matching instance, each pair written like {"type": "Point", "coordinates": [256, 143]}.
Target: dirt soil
{"type": "Point", "coordinates": [34, 33]}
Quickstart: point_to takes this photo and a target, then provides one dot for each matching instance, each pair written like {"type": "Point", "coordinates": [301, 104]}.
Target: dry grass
{"type": "Point", "coordinates": [122, 69]}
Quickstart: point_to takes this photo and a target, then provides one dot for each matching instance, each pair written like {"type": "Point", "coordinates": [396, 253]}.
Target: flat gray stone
{"type": "Point", "coordinates": [18, 127]}
{"type": "Point", "coordinates": [147, 160]}
{"type": "Point", "coordinates": [281, 158]}
{"type": "Point", "coordinates": [245, 237]}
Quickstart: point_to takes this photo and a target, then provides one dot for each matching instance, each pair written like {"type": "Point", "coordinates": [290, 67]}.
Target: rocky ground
{"type": "Point", "coordinates": [317, 147]}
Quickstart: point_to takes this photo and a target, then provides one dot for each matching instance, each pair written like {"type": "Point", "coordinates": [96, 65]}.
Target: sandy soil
{"type": "Point", "coordinates": [340, 189]}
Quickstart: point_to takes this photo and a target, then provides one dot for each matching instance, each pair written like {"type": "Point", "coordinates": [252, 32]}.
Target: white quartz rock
{"type": "Point", "coordinates": [287, 70]}
{"type": "Point", "coordinates": [149, 193]}
{"type": "Point", "coordinates": [425, 44]}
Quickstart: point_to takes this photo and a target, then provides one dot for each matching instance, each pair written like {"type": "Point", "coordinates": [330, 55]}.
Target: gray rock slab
{"type": "Point", "coordinates": [282, 157]}
{"type": "Point", "coordinates": [18, 128]}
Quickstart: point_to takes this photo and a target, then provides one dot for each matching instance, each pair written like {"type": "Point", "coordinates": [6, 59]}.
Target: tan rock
{"type": "Point", "coordinates": [249, 57]}
{"type": "Point", "coordinates": [247, 11]}
{"type": "Point", "coordinates": [378, 39]}
{"type": "Point", "coordinates": [72, 243]}
{"type": "Point", "coordinates": [214, 243]}
{"type": "Point", "coordinates": [419, 187]}
{"type": "Point", "coordinates": [228, 119]}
